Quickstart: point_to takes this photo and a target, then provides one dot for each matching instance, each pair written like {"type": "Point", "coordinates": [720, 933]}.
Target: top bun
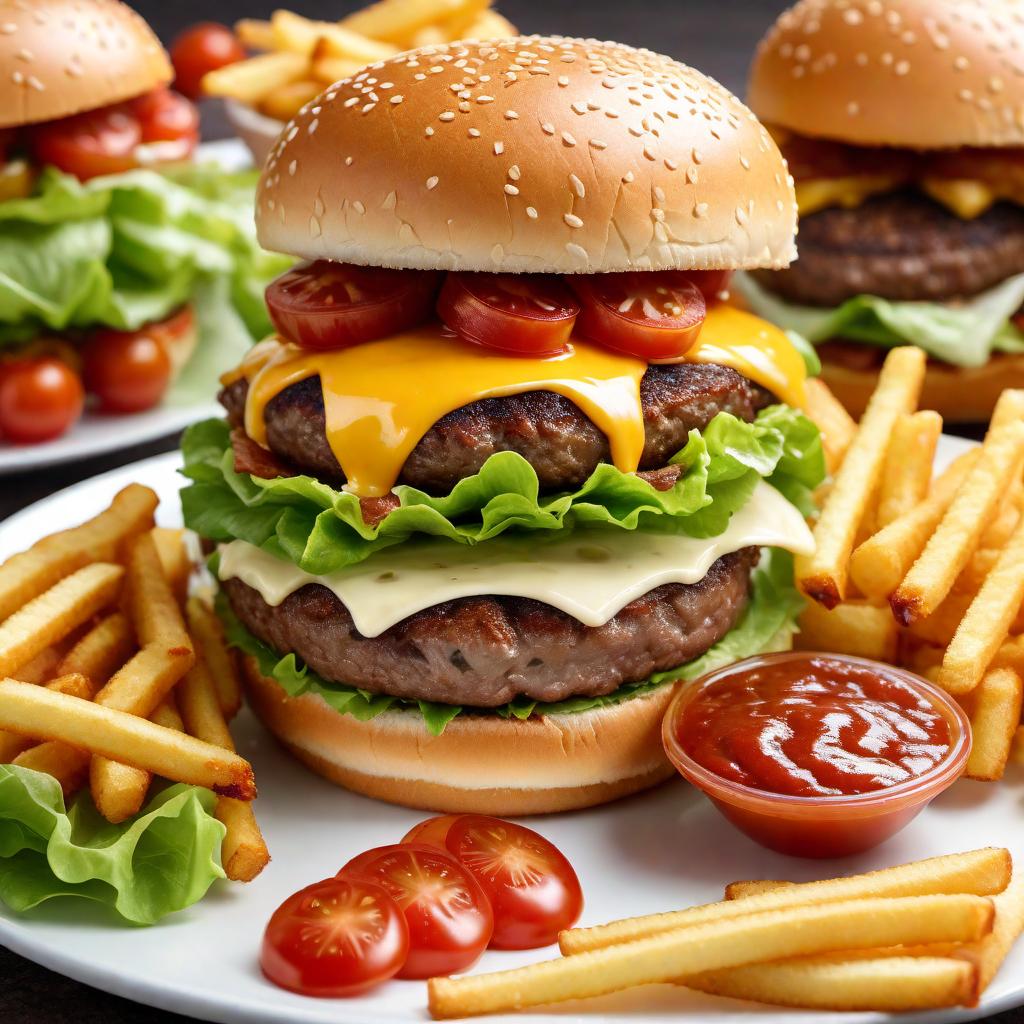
{"type": "Point", "coordinates": [923, 74]}
{"type": "Point", "coordinates": [60, 57]}
{"type": "Point", "coordinates": [532, 154]}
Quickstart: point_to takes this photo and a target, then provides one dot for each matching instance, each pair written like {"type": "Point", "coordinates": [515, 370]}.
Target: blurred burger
{"type": "Point", "coordinates": [902, 124]}
{"type": "Point", "coordinates": [509, 467]}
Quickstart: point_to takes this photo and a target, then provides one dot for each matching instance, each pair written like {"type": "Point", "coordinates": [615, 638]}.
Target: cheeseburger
{"type": "Point", "coordinates": [508, 467]}
{"type": "Point", "coordinates": [903, 124]}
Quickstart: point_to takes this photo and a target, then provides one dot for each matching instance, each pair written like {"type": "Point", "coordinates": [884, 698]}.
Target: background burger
{"type": "Point", "coordinates": [507, 467]}
{"type": "Point", "coordinates": [902, 125]}
{"type": "Point", "coordinates": [108, 272]}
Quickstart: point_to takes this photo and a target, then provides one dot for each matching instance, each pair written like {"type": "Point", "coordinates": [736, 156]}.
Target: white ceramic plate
{"type": "Point", "coordinates": [666, 849]}
{"type": "Point", "coordinates": [96, 434]}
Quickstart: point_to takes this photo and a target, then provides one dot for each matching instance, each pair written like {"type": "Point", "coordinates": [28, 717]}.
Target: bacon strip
{"type": "Point", "coordinates": [255, 459]}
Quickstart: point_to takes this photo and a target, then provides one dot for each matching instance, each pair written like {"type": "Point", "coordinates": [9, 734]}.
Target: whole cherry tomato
{"type": "Point", "coordinates": [40, 399]}
{"type": "Point", "coordinates": [128, 371]}
{"type": "Point", "coordinates": [200, 49]}
{"type": "Point", "coordinates": [449, 919]}
{"type": "Point", "coordinates": [338, 937]}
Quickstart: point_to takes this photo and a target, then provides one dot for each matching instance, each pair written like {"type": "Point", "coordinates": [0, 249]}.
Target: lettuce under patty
{"type": "Point", "coordinates": [767, 623]}
{"type": "Point", "coordinates": [963, 333]}
{"type": "Point", "coordinates": [321, 529]}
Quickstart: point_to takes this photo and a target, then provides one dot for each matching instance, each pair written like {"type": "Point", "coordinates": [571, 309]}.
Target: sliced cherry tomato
{"type": "Point", "coordinates": [533, 889]}
{"type": "Point", "coordinates": [327, 305]}
{"type": "Point", "coordinates": [641, 314]}
{"type": "Point", "coordinates": [529, 314]}
{"type": "Point", "coordinates": [449, 918]}
{"type": "Point", "coordinates": [87, 145]}
{"type": "Point", "coordinates": [338, 937]}
{"type": "Point", "coordinates": [713, 284]}
{"type": "Point", "coordinates": [39, 399]}
{"type": "Point", "coordinates": [128, 371]}
{"type": "Point", "coordinates": [433, 831]}
{"type": "Point", "coordinates": [169, 124]}
{"type": "Point", "coordinates": [200, 49]}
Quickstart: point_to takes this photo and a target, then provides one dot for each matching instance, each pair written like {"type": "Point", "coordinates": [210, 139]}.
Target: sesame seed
{"type": "Point", "coordinates": [499, 148]}
{"type": "Point", "coordinates": [315, 123]}
{"type": "Point", "coordinates": [448, 115]}
{"type": "Point", "coordinates": [514, 173]}
{"type": "Point", "coordinates": [700, 210]}
{"type": "Point", "coordinates": [697, 156]}
{"type": "Point", "coordinates": [572, 220]}
{"type": "Point", "coordinates": [547, 128]}
{"type": "Point", "coordinates": [8, 28]}
{"type": "Point", "coordinates": [351, 101]}
{"type": "Point", "coordinates": [598, 144]}
{"type": "Point", "coordinates": [396, 99]}
{"type": "Point", "coordinates": [293, 167]}
{"type": "Point", "coordinates": [628, 177]}
{"type": "Point", "coordinates": [428, 131]}
{"type": "Point", "coordinates": [485, 99]}
{"type": "Point", "coordinates": [671, 164]}
{"type": "Point", "coordinates": [568, 139]}
{"type": "Point", "coordinates": [511, 190]}
{"type": "Point", "coordinates": [578, 251]}
{"type": "Point", "coordinates": [578, 186]}
{"type": "Point", "coordinates": [358, 207]}
{"type": "Point", "coordinates": [432, 182]}
{"type": "Point", "coordinates": [474, 133]}
{"type": "Point", "coordinates": [511, 115]}
{"type": "Point", "coordinates": [531, 213]}
{"type": "Point", "coordinates": [464, 107]}
{"type": "Point", "coordinates": [563, 80]}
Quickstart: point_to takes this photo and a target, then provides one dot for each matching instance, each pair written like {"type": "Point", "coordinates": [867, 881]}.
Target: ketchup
{"type": "Point", "coordinates": [814, 727]}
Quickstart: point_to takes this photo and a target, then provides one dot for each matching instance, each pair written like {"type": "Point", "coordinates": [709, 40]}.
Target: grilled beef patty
{"type": "Point", "coordinates": [485, 651]}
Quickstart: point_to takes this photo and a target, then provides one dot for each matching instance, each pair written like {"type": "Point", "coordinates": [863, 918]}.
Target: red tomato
{"type": "Point", "coordinates": [200, 49]}
{"type": "Point", "coordinates": [450, 921]}
{"type": "Point", "coordinates": [338, 937]}
{"type": "Point", "coordinates": [533, 889]}
{"type": "Point", "coordinates": [327, 305]}
{"type": "Point", "coordinates": [641, 314]}
{"type": "Point", "coordinates": [169, 119]}
{"type": "Point", "coordinates": [90, 144]}
{"type": "Point", "coordinates": [713, 284]}
{"type": "Point", "coordinates": [128, 371]}
{"type": "Point", "coordinates": [39, 400]}
{"type": "Point", "coordinates": [529, 314]}
{"type": "Point", "coordinates": [433, 831]}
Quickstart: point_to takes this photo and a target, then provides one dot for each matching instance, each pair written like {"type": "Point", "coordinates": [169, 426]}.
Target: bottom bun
{"type": "Point", "coordinates": [959, 394]}
{"type": "Point", "coordinates": [480, 763]}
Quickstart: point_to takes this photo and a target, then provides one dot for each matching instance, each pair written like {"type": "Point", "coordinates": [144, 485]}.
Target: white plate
{"type": "Point", "coordinates": [668, 848]}
{"type": "Point", "coordinates": [96, 434]}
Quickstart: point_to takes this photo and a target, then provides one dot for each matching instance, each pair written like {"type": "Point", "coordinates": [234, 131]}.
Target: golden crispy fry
{"type": "Point", "coordinates": [397, 20]}
{"type": "Point", "coordinates": [430, 35]}
{"type": "Point", "coordinates": [68, 765]}
{"type": "Point", "coordinates": [881, 984]}
{"type": "Point", "coordinates": [1007, 516]}
{"type": "Point", "coordinates": [284, 103]}
{"type": "Point", "coordinates": [138, 687]}
{"type": "Point", "coordinates": [855, 627]}
{"type": "Point", "coordinates": [26, 575]}
{"type": "Point", "coordinates": [42, 667]}
{"type": "Point", "coordinates": [994, 719]}
{"type": "Point", "coordinates": [823, 575]}
{"type": "Point", "coordinates": [56, 613]}
{"type": "Point", "coordinates": [12, 744]}
{"type": "Point", "coordinates": [981, 564]}
{"type": "Point", "coordinates": [748, 939]}
{"type": "Point", "coordinates": [1009, 408]}
{"type": "Point", "coordinates": [982, 872]}
{"type": "Point", "coordinates": [301, 35]}
{"type": "Point", "coordinates": [35, 711]}
{"type": "Point", "coordinates": [741, 890]}
{"type": "Point", "coordinates": [908, 465]}
{"type": "Point", "coordinates": [208, 634]}
{"type": "Point", "coordinates": [174, 559]}
{"type": "Point", "coordinates": [168, 715]}
{"type": "Point", "coordinates": [988, 954]}
{"type": "Point", "coordinates": [250, 80]}
{"type": "Point", "coordinates": [1011, 654]}
{"type": "Point", "coordinates": [154, 610]}
{"type": "Point", "coordinates": [957, 536]}
{"type": "Point", "coordinates": [987, 621]}
{"type": "Point", "coordinates": [118, 790]}
{"type": "Point", "coordinates": [1017, 746]}
{"type": "Point", "coordinates": [941, 626]}
{"type": "Point", "coordinates": [837, 426]}
{"type": "Point", "coordinates": [98, 654]}
{"type": "Point", "coordinates": [255, 34]}
{"type": "Point", "coordinates": [327, 70]}
{"type": "Point", "coordinates": [491, 25]}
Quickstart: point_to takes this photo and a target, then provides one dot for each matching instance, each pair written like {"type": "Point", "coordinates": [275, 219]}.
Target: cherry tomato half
{"type": "Point", "coordinates": [39, 399]}
{"type": "Point", "coordinates": [327, 305]}
{"type": "Point", "coordinates": [90, 144]}
{"type": "Point", "coordinates": [433, 831]}
{"type": "Point", "coordinates": [128, 371]}
{"type": "Point", "coordinates": [449, 919]}
{"type": "Point", "coordinates": [713, 284]}
{"type": "Point", "coordinates": [168, 119]}
{"type": "Point", "coordinates": [200, 49]}
{"type": "Point", "coordinates": [641, 314]}
{"type": "Point", "coordinates": [533, 889]}
{"type": "Point", "coordinates": [529, 314]}
{"type": "Point", "coordinates": [338, 937]}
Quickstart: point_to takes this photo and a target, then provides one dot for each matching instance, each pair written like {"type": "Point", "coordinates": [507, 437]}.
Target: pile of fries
{"type": "Point", "coordinates": [925, 572]}
{"type": "Point", "coordinates": [299, 58]}
{"type": "Point", "coordinates": [919, 936]}
{"type": "Point", "coordinates": [114, 674]}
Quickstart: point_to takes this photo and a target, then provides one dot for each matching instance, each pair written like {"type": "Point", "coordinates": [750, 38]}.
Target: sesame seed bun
{"type": "Point", "coordinates": [923, 74]}
{"type": "Point", "coordinates": [60, 57]}
{"type": "Point", "coordinates": [531, 154]}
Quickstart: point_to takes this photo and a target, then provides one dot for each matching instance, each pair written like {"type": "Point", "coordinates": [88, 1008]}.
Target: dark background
{"type": "Point", "coordinates": [716, 36]}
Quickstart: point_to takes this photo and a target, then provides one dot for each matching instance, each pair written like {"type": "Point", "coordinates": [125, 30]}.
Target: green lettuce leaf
{"type": "Point", "coordinates": [963, 333]}
{"type": "Point", "coordinates": [162, 860]}
{"type": "Point", "coordinates": [321, 529]}
{"type": "Point", "coordinates": [122, 250]}
{"type": "Point", "coordinates": [768, 623]}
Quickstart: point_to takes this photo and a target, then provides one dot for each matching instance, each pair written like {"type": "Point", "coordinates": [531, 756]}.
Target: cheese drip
{"type": "Point", "coordinates": [590, 574]}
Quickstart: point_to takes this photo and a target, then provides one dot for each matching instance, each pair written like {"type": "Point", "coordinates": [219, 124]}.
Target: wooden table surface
{"type": "Point", "coordinates": [716, 37]}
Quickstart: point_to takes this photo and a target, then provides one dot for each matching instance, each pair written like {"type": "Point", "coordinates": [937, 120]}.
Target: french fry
{"type": "Point", "coordinates": [747, 939]}
{"type": "Point", "coordinates": [174, 559]}
{"type": "Point", "coordinates": [940, 627]}
{"type": "Point", "coordinates": [490, 24]}
{"type": "Point", "coordinates": [208, 633]}
{"type": "Point", "coordinates": [154, 609]}
{"type": "Point", "coordinates": [12, 744]}
{"type": "Point", "coordinates": [855, 627]}
{"type": "Point", "coordinates": [68, 765]}
{"type": "Point", "coordinates": [430, 35]}
{"type": "Point", "coordinates": [878, 566]}
{"type": "Point", "coordinates": [957, 536]}
{"type": "Point", "coordinates": [284, 103]}
{"type": "Point", "coordinates": [908, 465]}
{"type": "Point", "coordinates": [1009, 408]}
{"type": "Point", "coordinates": [994, 719]}
{"type": "Point", "coordinates": [823, 575]}
{"type": "Point", "coordinates": [37, 712]}
{"type": "Point", "coordinates": [250, 80]}
{"type": "Point", "coordinates": [837, 426]}
{"type": "Point", "coordinates": [1011, 654]}
{"type": "Point", "coordinates": [42, 667]}
{"type": "Point", "coordinates": [987, 621]}
{"type": "Point", "coordinates": [981, 872]}
{"type": "Point", "coordinates": [297, 34]}
{"type": "Point", "coordinates": [57, 612]}
{"type": "Point", "coordinates": [98, 654]}
{"type": "Point", "coordinates": [327, 69]}
{"type": "Point", "coordinates": [255, 34]}
{"type": "Point", "coordinates": [754, 887]}
{"type": "Point", "coordinates": [25, 576]}
{"type": "Point", "coordinates": [988, 954]}
{"type": "Point", "coordinates": [397, 20]}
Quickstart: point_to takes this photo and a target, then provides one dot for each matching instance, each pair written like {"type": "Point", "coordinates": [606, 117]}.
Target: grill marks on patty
{"type": "Point", "coordinates": [901, 246]}
{"type": "Point", "coordinates": [549, 431]}
{"type": "Point", "coordinates": [485, 651]}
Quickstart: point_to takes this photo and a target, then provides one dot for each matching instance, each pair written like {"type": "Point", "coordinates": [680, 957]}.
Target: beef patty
{"type": "Point", "coordinates": [901, 246]}
{"type": "Point", "coordinates": [549, 431]}
{"type": "Point", "coordinates": [485, 651]}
